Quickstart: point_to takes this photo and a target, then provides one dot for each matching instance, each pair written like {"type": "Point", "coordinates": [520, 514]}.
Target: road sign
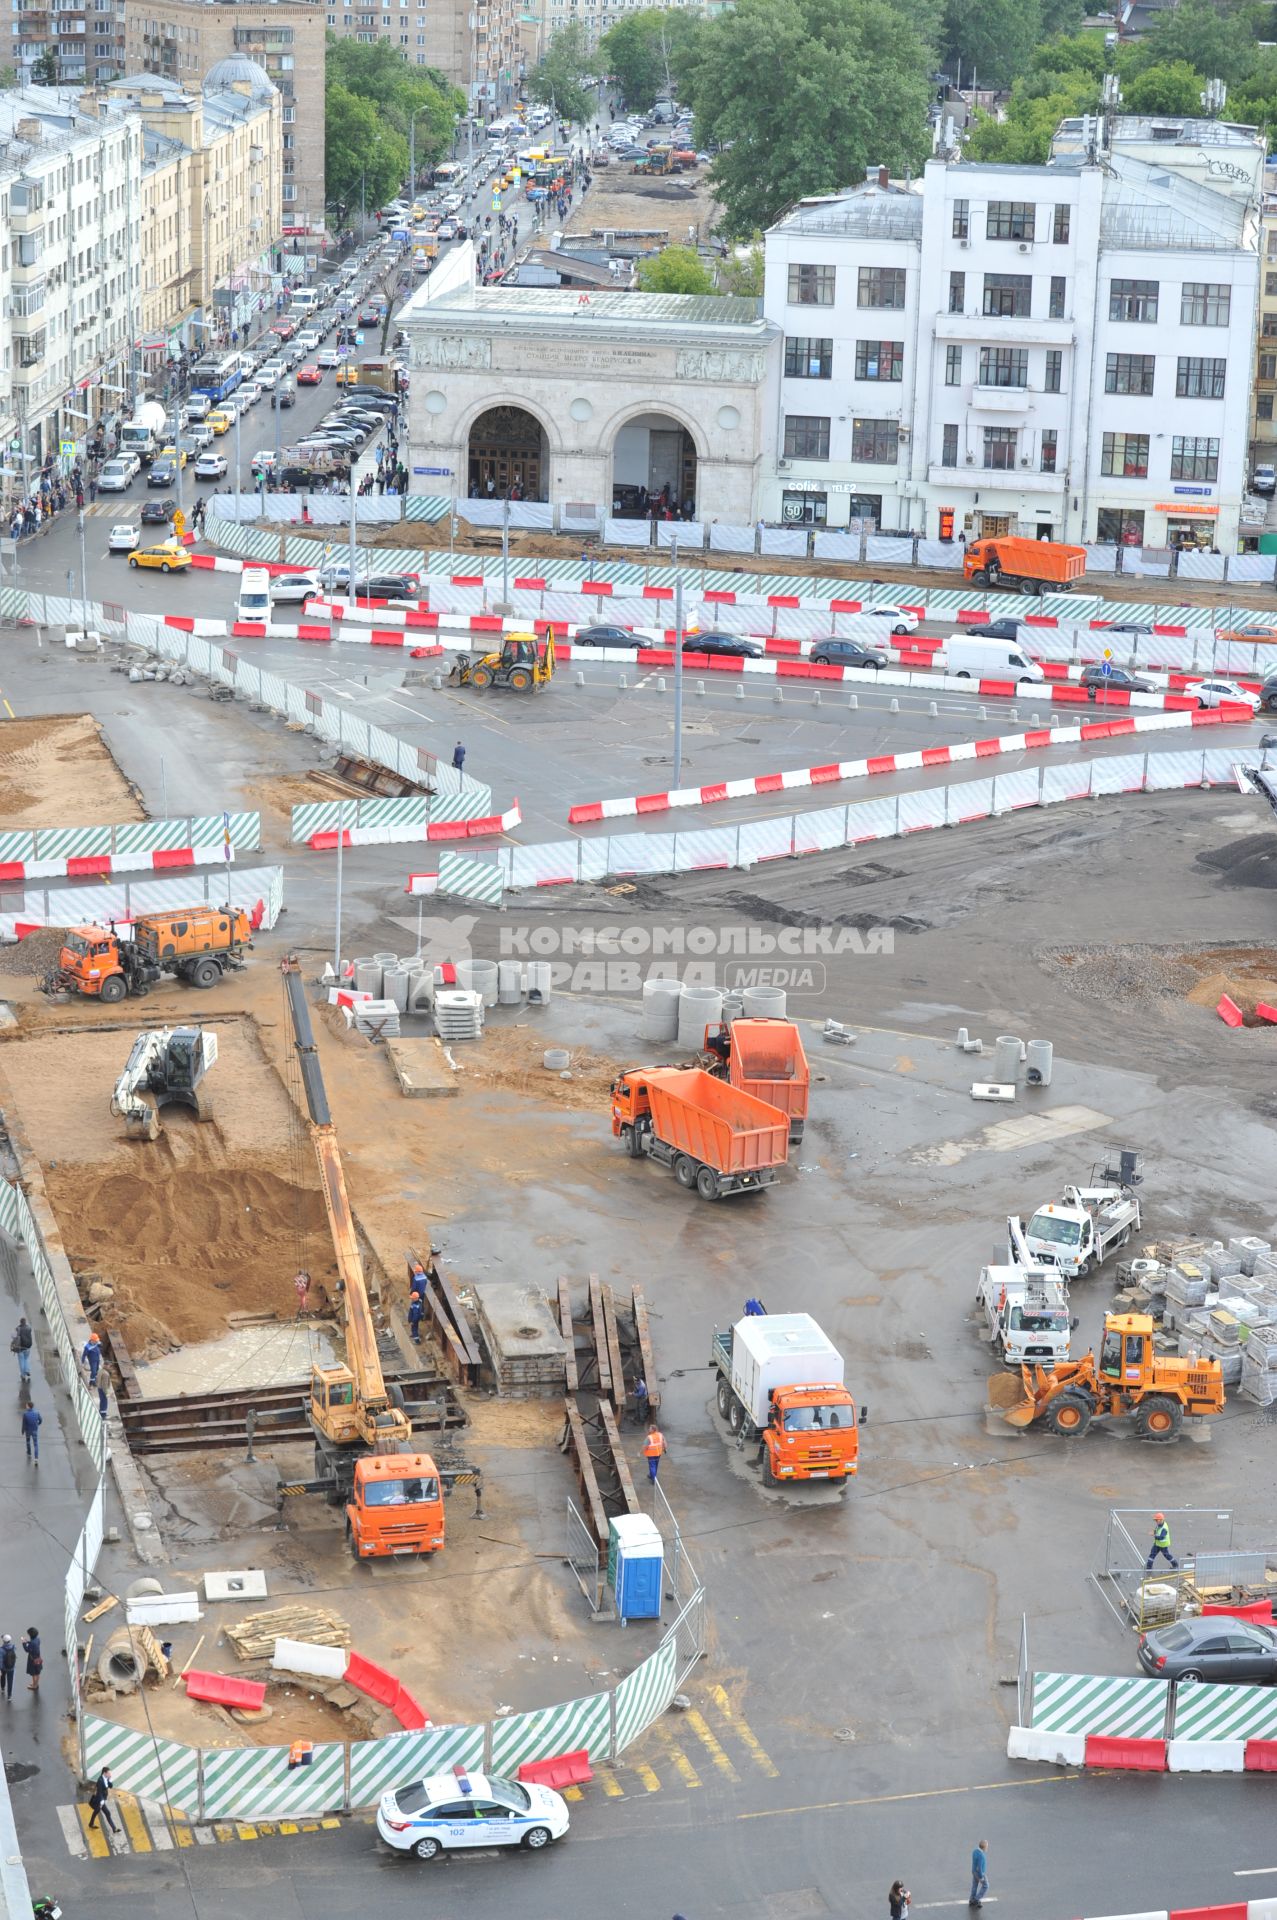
{"type": "Point", "coordinates": [67, 449]}
{"type": "Point", "coordinates": [1108, 653]}
{"type": "Point", "coordinates": [1106, 668]}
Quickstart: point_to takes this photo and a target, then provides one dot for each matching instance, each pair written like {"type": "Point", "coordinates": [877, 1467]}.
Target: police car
{"type": "Point", "coordinates": [470, 1810]}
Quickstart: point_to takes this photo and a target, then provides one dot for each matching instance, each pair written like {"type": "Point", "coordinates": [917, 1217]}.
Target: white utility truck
{"type": "Point", "coordinates": [1025, 1311]}
{"type": "Point", "coordinates": [1080, 1230]}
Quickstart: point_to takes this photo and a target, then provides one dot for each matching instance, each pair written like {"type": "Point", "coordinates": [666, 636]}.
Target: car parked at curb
{"type": "Point", "coordinates": [1105, 678]}
{"type": "Point", "coordinates": [1216, 1647]}
{"type": "Point", "coordinates": [1224, 693]}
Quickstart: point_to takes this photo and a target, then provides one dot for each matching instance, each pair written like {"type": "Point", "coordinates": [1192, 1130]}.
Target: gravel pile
{"type": "Point", "coordinates": [34, 955]}
{"type": "Point", "coordinates": [1122, 975]}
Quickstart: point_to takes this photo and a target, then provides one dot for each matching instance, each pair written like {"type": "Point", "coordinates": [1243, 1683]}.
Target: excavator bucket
{"type": "Point", "coordinates": [1009, 1397]}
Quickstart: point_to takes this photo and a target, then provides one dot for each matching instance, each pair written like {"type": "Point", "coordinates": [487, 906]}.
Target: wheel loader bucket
{"type": "Point", "coordinates": [1007, 1397]}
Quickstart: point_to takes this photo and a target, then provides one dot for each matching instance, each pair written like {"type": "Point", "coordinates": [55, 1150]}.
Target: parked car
{"type": "Point", "coordinates": [608, 637]}
{"type": "Point", "coordinates": [168, 557]}
{"type": "Point", "coordinates": [157, 513]}
{"type": "Point", "coordinates": [997, 630]}
{"type": "Point", "coordinates": [122, 538]}
{"type": "Point", "coordinates": [1106, 678]}
{"type": "Point", "coordinates": [285, 394]}
{"type": "Point", "coordinates": [1255, 633]}
{"type": "Point", "coordinates": [293, 588]}
{"type": "Point", "coordinates": [268, 375]}
{"type": "Point", "coordinates": [1214, 1648]}
{"type": "Point", "coordinates": [1264, 479]}
{"type": "Point", "coordinates": [722, 643]}
{"type": "Point", "coordinates": [1224, 693]}
{"type": "Point", "coordinates": [845, 653]}
{"type": "Point", "coordinates": [210, 466]}
{"type": "Point", "coordinates": [199, 436]}
{"type": "Point", "coordinates": [1268, 694]}
{"type": "Point", "coordinates": [118, 474]}
{"type": "Point", "coordinates": [475, 1810]}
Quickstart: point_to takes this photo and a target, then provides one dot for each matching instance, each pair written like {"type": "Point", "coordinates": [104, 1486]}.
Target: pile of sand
{"type": "Point", "coordinates": [512, 1058]}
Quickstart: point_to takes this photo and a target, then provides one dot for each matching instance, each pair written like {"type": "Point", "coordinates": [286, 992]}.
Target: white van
{"type": "Point", "coordinates": [304, 299]}
{"type": "Point", "coordinates": [971, 659]}
{"type": "Point", "coordinates": [254, 595]}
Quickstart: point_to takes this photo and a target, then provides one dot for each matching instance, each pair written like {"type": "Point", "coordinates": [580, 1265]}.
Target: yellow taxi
{"type": "Point", "coordinates": [171, 453]}
{"type": "Point", "coordinates": [169, 557]}
{"type": "Point", "coordinates": [347, 375]}
{"type": "Point", "coordinates": [220, 422]}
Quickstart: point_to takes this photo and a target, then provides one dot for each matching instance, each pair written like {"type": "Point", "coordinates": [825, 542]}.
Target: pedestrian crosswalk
{"type": "Point", "coordinates": [707, 1744]}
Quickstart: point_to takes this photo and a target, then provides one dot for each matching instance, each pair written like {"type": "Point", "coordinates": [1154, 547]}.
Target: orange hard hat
{"type": "Point", "coordinates": [94, 1341]}
{"type": "Point", "coordinates": [1159, 1516]}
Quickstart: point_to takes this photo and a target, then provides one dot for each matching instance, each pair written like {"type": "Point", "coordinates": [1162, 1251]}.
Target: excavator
{"type": "Point", "coordinates": [364, 1453]}
{"type": "Point", "coordinates": [169, 1064]}
{"type": "Point", "coordinates": [1129, 1382]}
{"type": "Point", "coordinates": [524, 664]}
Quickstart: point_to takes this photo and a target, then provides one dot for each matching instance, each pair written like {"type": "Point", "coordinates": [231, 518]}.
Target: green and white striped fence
{"type": "Point", "coordinates": [470, 879]}
{"type": "Point", "coordinates": [1098, 1703]}
{"type": "Point", "coordinates": [257, 1783]}
{"type": "Point", "coordinates": [644, 1694]}
{"type": "Point", "coordinates": [547, 1731]}
{"type": "Point", "coordinates": [143, 1764]}
{"type": "Point", "coordinates": [133, 837]}
{"type": "Point", "coordinates": [1224, 1713]}
{"type": "Point", "coordinates": [405, 818]}
{"type": "Point", "coordinates": [378, 1765]}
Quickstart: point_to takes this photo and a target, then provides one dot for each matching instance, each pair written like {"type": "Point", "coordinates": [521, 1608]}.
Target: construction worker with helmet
{"type": "Point", "coordinates": [1161, 1543]}
{"type": "Point", "coordinates": [653, 1448]}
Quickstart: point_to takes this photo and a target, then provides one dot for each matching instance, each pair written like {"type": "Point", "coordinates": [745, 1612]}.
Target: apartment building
{"type": "Point", "coordinates": [85, 36]}
{"type": "Point", "coordinates": [1063, 350]}
{"type": "Point", "coordinates": [1263, 431]}
{"type": "Point", "coordinates": [184, 39]}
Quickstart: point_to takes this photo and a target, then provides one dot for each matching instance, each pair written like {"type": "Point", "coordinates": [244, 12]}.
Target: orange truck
{"type": "Point", "coordinates": [713, 1135]}
{"type": "Point", "coordinates": [1027, 566]}
{"type": "Point", "coordinates": [780, 1382]}
{"type": "Point", "coordinates": [765, 1058]}
{"type": "Point", "coordinates": [197, 944]}
{"type": "Point", "coordinates": [395, 1506]}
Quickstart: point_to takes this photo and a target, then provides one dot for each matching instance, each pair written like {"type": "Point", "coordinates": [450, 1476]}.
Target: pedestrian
{"type": "Point", "coordinates": [8, 1664]}
{"type": "Point", "coordinates": [91, 1357]}
{"type": "Point", "coordinates": [653, 1448]}
{"type": "Point", "coordinates": [21, 1345]}
{"type": "Point", "coordinates": [417, 1281]}
{"type": "Point", "coordinates": [301, 1287]}
{"type": "Point", "coordinates": [641, 1402]}
{"type": "Point", "coordinates": [458, 756]}
{"type": "Point", "coordinates": [1161, 1543]}
{"type": "Point", "coordinates": [898, 1901]}
{"type": "Point", "coordinates": [103, 1402]}
{"type": "Point", "coordinates": [416, 1307]}
{"type": "Point", "coordinates": [979, 1873]}
{"type": "Point", "coordinates": [35, 1659]}
{"type": "Point", "coordinates": [99, 1800]}
{"type": "Point", "coordinates": [31, 1433]}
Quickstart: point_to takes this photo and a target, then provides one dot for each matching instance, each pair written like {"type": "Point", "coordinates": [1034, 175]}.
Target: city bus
{"type": "Point", "coordinates": [218, 375]}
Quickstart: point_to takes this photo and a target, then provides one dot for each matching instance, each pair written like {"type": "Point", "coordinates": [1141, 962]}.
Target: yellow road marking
{"type": "Point", "coordinates": [266, 1830]}
{"type": "Point", "coordinates": [573, 1793]}
{"type": "Point", "coordinates": [245, 1832]}
{"type": "Point", "coordinates": [679, 1760]}
{"type": "Point", "coordinates": [288, 1826]}
{"type": "Point", "coordinates": [649, 1779]}
{"type": "Point", "coordinates": [222, 1830]}
{"type": "Point", "coordinates": [698, 1725]}
{"type": "Point", "coordinates": [744, 1733]}
{"type": "Point", "coordinates": [9, 710]}
{"type": "Point", "coordinates": [328, 1825]}
{"type": "Point", "coordinates": [94, 1838]}
{"type": "Point", "coordinates": [929, 1793]}
{"type": "Point", "coordinates": [310, 1826]}
{"type": "Point", "coordinates": [180, 1828]}
{"type": "Point", "coordinates": [134, 1825]}
{"type": "Point", "coordinates": [610, 1784]}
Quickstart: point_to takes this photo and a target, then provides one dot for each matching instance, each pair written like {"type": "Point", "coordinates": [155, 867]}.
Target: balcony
{"type": "Point", "coordinates": [1016, 479]}
{"type": "Point", "coordinates": [30, 347]}
{"type": "Point", "coordinates": [984, 398]}
{"type": "Point", "coordinates": [1003, 330]}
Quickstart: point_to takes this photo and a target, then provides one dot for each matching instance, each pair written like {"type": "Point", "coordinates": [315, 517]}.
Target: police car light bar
{"type": "Point", "coordinates": [463, 1778]}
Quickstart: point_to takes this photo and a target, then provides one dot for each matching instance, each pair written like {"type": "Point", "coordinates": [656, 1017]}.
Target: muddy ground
{"type": "Point", "coordinates": [57, 771]}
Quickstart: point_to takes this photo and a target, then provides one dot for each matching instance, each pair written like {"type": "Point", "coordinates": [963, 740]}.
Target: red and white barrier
{"type": "Point", "coordinates": [1225, 1910]}
{"type": "Point", "coordinates": [106, 866]}
{"type": "Point", "coordinates": [335, 1663]}
{"type": "Point", "coordinates": [892, 763]}
{"type": "Point", "coordinates": [422, 883]}
{"type": "Point", "coordinates": [484, 828]}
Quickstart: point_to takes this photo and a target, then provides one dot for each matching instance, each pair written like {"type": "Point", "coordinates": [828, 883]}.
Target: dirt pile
{"type": "Point", "coordinates": [57, 771]}
{"type": "Point", "coordinates": [1143, 976]}
{"type": "Point", "coordinates": [513, 1060]}
{"type": "Point", "coordinates": [34, 955]}
{"type": "Point", "coordinates": [1248, 862]}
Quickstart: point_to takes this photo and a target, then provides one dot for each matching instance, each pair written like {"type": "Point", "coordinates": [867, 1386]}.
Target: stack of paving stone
{"type": "Point", "coordinates": [458, 1013]}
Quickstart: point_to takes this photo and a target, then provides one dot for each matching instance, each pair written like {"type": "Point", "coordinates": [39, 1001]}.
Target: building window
{"type": "Point", "coordinates": [1269, 327]}
{"type": "Point", "coordinates": [1194, 459]}
{"type": "Point", "coordinates": [881, 287]}
{"type": "Point", "coordinates": [957, 292]}
{"type": "Point", "coordinates": [1060, 228]}
{"type": "Point", "coordinates": [1264, 406]}
{"type": "Point", "coordinates": [875, 441]}
{"type": "Point", "coordinates": [953, 366]}
{"type": "Point", "coordinates": [1270, 282]}
{"type": "Point", "coordinates": [806, 436]}
{"type": "Point", "coordinates": [1008, 295]}
{"type": "Point", "coordinates": [962, 224]}
{"type": "Point", "coordinates": [1133, 300]}
{"type": "Point", "coordinates": [804, 509]}
{"type": "Point", "coordinates": [1053, 380]}
{"type": "Point", "coordinates": [1204, 303]}
{"type": "Point", "coordinates": [880, 359]}
{"type": "Point", "coordinates": [1004, 367]}
{"type": "Point", "coordinates": [1200, 379]}
{"type": "Point", "coordinates": [999, 449]}
{"type": "Point", "coordinates": [1129, 373]}
{"type": "Point", "coordinates": [1009, 220]}
{"type": "Point", "coordinates": [807, 359]}
{"type": "Point", "coordinates": [1120, 526]}
{"type": "Point", "coordinates": [1055, 310]}
{"type": "Point", "coordinates": [1050, 440]}
{"type": "Point", "coordinates": [811, 286]}
{"type": "Point", "coordinates": [1124, 456]}
{"type": "Point", "coordinates": [949, 444]}
{"type": "Point", "coordinates": [1268, 366]}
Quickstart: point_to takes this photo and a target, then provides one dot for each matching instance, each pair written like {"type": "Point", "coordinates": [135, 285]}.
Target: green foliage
{"type": "Point", "coordinates": [803, 94]}
{"type": "Point", "coordinates": [742, 273]}
{"type": "Point", "coordinates": [1173, 88]}
{"type": "Point", "coordinates": [645, 52]}
{"type": "Point", "coordinates": [992, 39]}
{"type": "Point", "coordinates": [1217, 38]}
{"type": "Point", "coordinates": [1024, 137]}
{"type": "Point", "coordinates": [398, 94]}
{"type": "Point", "coordinates": [44, 68]}
{"type": "Point", "coordinates": [1061, 16]}
{"type": "Point", "coordinates": [556, 80]}
{"type": "Point", "coordinates": [359, 145]}
{"type": "Point", "coordinates": [675, 270]}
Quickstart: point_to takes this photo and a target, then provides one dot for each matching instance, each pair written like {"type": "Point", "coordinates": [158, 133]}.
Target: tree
{"type": "Point", "coordinates": [992, 40]}
{"type": "Point", "coordinates": [361, 153]}
{"type": "Point", "coordinates": [675, 270]}
{"type": "Point", "coordinates": [1173, 88]}
{"type": "Point", "coordinates": [1062, 16]}
{"type": "Point", "coordinates": [742, 272]}
{"type": "Point", "coordinates": [803, 95]}
{"type": "Point", "coordinates": [401, 95]}
{"type": "Point", "coordinates": [1215, 37]}
{"type": "Point", "coordinates": [44, 68]}
{"type": "Point", "coordinates": [1023, 139]}
{"type": "Point", "coordinates": [645, 53]}
{"type": "Point", "coordinates": [556, 79]}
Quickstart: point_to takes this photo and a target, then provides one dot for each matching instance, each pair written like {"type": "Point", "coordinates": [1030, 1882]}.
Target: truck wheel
{"type": "Point", "coordinates": [769, 1478]}
{"type": "Point", "coordinates": [685, 1170]}
{"type": "Point", "coordinates": [1084, 1268]}
{"type": "Point", "coordinates": [1158, 1417]}
{"type": "Point", "coordinates": [735, 1415]}
{"type": "Point", "coordinates": [707, 1184]}
{"type": "Point", "coordinates": [724, 1399]}
{"type": "Point", "coordinates": [113, 989]}
{"type": "Point", "coordinates": [205, 973]}
{"type": "Point", "coordinates": [981, 577]}
{"type": "Point", "coordinates": [1069, 1416]}
{"type": "Point", "coordinates": [962, 674]}
{"type": "Point", "coordinates": [633, 1145]}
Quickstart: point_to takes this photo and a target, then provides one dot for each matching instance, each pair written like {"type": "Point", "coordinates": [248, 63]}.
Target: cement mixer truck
{"type": "Point", "coordinates": [144, 434]}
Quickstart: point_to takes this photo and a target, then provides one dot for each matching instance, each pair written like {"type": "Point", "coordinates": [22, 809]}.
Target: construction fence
{"type": "Point", "coordinates": [257, 891]}
{"type": "Point", "coordinates": [135, 843]}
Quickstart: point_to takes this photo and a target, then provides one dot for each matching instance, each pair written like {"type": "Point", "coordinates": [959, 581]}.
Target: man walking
{"type": "Point", "coordinates": [8, 1665]}
{"type": "Point", "coordinates": [21, 1344]}
{"type": "Point", "coordinates": [1161, 1543]}
{"type": "Point", "coordinates": [416, 1307]}
{"type": "Point", "coordinates": [653, 1448]}
{"type": "Point", "coordinates": [979, 1873]}
{"type": "Point", "coordinates": [459, 756]}
{"type": "Point", "coordinates": [31, 1433]}
{"type": "Point", "coordinates": [100, 1800]}
{"type": "Point", "coordinates": [91, 1357]}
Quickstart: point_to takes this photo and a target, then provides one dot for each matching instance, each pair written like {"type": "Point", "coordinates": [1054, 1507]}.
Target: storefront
{"type": "Point", "coordinates": [1188, 525]}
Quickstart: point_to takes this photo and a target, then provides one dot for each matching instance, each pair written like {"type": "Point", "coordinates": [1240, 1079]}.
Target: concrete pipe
{"type": "Point", "coordinates": [1038, 1063]}
{"type": "Point", "coordinates": [119, 1667]}
{"type": "Point", "coordinates": [698, 1008]}
{"type": "Point", "coordinates": [1006, 1059]}
{"type": "Point", "coordinates": [509, 983]}
{"type": "Point", "coordinates": [368, 978]}
{"type": "Point", "coordinates": [764, 1003]}
{"type": "Point", "coordinates": [395, 987]}
{"type": "Point", "coordinates": [660, 1009]}
{"type": "Point", "coordinates": [556, 1059]}
{"type": "Point", "coordinates": [538, 982]}
{"type": "Point", "coordinates": [483, 979]}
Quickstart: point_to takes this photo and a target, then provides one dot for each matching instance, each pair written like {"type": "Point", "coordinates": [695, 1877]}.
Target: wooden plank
{"type": "Point", "coordinates": [624, 1481]}
{"type": "Point", "coordinates": [445, 1332]}
{"type": "Point", "coordinates": [587, 1479]}
{"type": "Point", "coordinates": [613, 1348]}
{"type": "Point", "coordinates": [569, 1335]}
{"type": "Point", "coordinates": [646, 1355]}
{"type": "Point", "coordinates": [103, 1606]}
{"type": "Point", "coordinates": [460, 1318]}
{"type": "Point", "coordinates": [601, 1358]}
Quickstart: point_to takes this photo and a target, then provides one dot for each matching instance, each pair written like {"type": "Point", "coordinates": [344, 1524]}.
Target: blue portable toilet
{"type": "Point", "coordinates": [636, 1563]}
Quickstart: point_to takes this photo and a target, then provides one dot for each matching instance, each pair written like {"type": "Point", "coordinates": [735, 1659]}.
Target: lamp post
{"type": "Point", "coordinates": [84, 578]}
{"type": "Point", "coordinates": [505, 552]}
{"type": "Point", "coordinates": [678, 666]}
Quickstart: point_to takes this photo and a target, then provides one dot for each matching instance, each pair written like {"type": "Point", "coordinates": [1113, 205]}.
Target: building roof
{"type": "Point", "coordinates": [647, 309]}
{"type": "Point", "coordinates": [706, 319]}
{"type": "Point", "coordinates": [893, 212]}
{"type": "Point", "coordinates": [237, 70]}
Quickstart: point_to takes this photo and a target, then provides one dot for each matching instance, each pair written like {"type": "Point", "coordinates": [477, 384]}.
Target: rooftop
{"type": "Point", "coordinates": [658, 314]}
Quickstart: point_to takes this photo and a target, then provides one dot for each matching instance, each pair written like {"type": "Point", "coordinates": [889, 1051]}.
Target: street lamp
{"type": "Point", "coordinates": [678, 665]}
{"type": "Point", "coordinates": [84, 580]}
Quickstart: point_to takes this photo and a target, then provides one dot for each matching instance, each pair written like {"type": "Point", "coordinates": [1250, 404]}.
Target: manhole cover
{"type": "Point", "coordinates": [528, 1333]}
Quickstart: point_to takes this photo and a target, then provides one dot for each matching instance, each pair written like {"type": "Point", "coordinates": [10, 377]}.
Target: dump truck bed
{"type": "Point", "coordinates": [1029, 559]}
{"type": "Point", "coordinates": [719, 1124]}
{"type": "Point", "coordinates": [767, 1060]}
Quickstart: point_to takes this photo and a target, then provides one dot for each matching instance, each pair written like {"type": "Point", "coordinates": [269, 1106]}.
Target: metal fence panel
{"type": "Point", "coordinates": [641, 853]}
{"type": "Point", "coordinates": [256, 1783]}
{"type": "Point", "coordinates": [377, 1766]}
{"type": "Point", "coordinates": [643, 1695]}
{"type": "Point", "coordinates": [1200, 566]}
{"type": "Point", "coordinates": [626, 533]}
{"type": "Point", "coordinates": [724, 539]}
{"type": "Point", "coordinates": [876, 819]}
{"type": "Point", "coordinates": [548, 863]}
{"type": "Point", "coordinates": [1068, 782]}
{"type": "Point", "coordinates": [940, 553]}
{"type": "Point", "coordinates": [1090, 1703]}
{"type": "Point", "coordinates": [759, 840]}
{"type": "Point", "coordinates": [470, 879]}
{"type": "Point", "coordinates": [1119, 773]}
{"type": "Point", "coordinates": [154, 1769]}
{"type": "Point", "coordinates": [925, 808]}
{"type": "Point", "coordinates": [889, 547]}
{"type": "Point", "coordinates": [782, 540]}
{"type": "Point", "coordinates": [704, 847]}
{"type": "Point", "coordinates": [1225, 1713]}
{"type": "Point", "coordinates": [1021, 789]}
{"type": "Point", "coordinates": [548, 1731]}
{"type": "Point", "coordinates": [968, 800]}
{"type": "Point", "coordinates": [820, 829]}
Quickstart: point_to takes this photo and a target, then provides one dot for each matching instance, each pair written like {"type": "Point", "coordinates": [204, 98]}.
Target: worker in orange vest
{"type": "Point", "coordinates": [653, 1448]}
{"type": "Point", "coordinates": [300, 1754]}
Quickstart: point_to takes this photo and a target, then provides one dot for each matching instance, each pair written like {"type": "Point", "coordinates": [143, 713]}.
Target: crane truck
{"type": "Point", "coordinates": [1078, 1231]}
{"type": "Point", "coordinates": [169, 1064]}
{"type": "Point", "coordinates": [1026, 1314]}
{"type": "Point", "coordinates": [780, 1382]}
{"type": "Point", "coordinates": [196, 944]}
{"type": "Point", "coordinates": [714, 1136]}
{"type": "Point", "coordinates": [364, 1456]}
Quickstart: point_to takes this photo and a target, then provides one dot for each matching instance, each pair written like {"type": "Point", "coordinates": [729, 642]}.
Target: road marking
{"type": "Point", "coordinates": [651, 1784]}
{"type": "Point", "coordinates": [94, 1837]}
{"type": "Point", "coordinates": [134, 1824]}
{"type": "Point", "coordinates": [611, 1785]}
{"type": "Point", "coordinates": [71, 1833]}
{"type": "Point", "coordinates": [698, 1725]}
{"type": "Point", "coordinates": [924, 1906]}
{"type": "Point", "coordinates": [244, 1831]}
{"type": "Point", "coordinates": [744, 1733]}
{"type": "Point", "coordinates": [679, 1760]}
{"type": "Point", "coordinates": [204, 1836]}
{"type": "Point", "coordinates": [161, 1838]}
{"type": "Point", "coordinates": [573, 1793]}
{"type": "Point", "coordinates": [1246, 1873]}
{"type": "Point", "coordinates": [929, 1793]}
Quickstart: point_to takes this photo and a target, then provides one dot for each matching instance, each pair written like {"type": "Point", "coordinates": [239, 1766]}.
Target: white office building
{"type": "Point", "coordinates": [1063, 350]}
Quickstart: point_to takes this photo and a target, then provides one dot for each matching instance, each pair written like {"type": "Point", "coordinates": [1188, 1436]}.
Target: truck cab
{"type": "Point", "coordinates": [396, 1506]}
{"type": "Point", "coordinates": [1026, 1314]}
{"type": "Point", "coordinates": [1077, 1232]}
{"type": "Point", "coordinates": [811, 1434]}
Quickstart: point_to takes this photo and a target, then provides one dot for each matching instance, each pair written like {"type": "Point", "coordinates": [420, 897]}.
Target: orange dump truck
{"type": "Point", "coordinates": [1028, 566]}
{"type": "Point", "coordinates": [716, 1137]}
{"type": "Point", "coordinates": [395, 1506]}
{"type": "Point", "coordinates": [765, 1058]}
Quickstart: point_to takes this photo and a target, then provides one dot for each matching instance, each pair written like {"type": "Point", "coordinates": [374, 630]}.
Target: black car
{"type": "Point", "coordinates": [1126, 626]}
{"type": "Point", "coordinates": [1216, 1647]}
{"type": "Point", "coordinates": [386, 586]}
{"type": "Point", "coordinates": [1098, 679]}
{"type": "Point", "coordinates": [607, 637]}
{"type": "Point", "coordinates": [996, 630]}
{"type": "Point", "coordinates": [844, 653]}
{"type": "Point", "coordinates": [1268, 694]}
{"type": "Point", "coordinates": [722, 643]}
{"type": "Point", "coordinates": [284, 397]}
{"type": "Point", "coordinates": [156, 513]}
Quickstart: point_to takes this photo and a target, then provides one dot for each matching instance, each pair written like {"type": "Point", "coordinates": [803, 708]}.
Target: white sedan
{"type": "Point", "coordinates": [470, 1810]}
{"type": "Point", "coordinates": [295, 587]}
{"type": "Point", "coordinates": [249, 394]}
{"type": "Point", "coordinates": [122, 539]}
{"type": "Point", "coordinates": [1224, 693]}
{"type": "Point", "coordinates": [901, 618]}
{"type": "Point", "coordinates": [210, 466]}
